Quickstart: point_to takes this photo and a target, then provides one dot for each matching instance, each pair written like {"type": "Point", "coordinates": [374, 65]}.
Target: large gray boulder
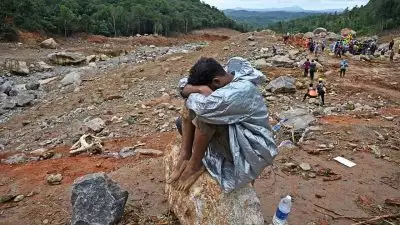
{"type": "Point", "coordinates": [16, 67]}
{"type": "Point", "coordinates": [206, 204]}
{"type": "Point", "coordinates": [281, 61]}
{"type": "Point", "coordinates": [49, 43]}
{"type": "Point", "coordinates": [319, 30]}
{"type": "Point", "coordinates": [67, 58]}
{"type": "Point", "coordinates": [97, 200]}
{"type": "Point", "coordinates": [283, 84]}
{"type": "Point", "coordinates": [332, 36]}
{"type": "Point", "coordinates": [309, 35]}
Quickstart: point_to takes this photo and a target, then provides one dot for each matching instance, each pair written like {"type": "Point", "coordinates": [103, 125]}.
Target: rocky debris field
{"type": "Point", "coordinates": [111, 107]}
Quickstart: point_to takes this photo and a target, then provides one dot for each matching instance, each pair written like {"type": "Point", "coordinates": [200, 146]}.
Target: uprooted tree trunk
{"type": "Point", "coordinates": [205, 203]}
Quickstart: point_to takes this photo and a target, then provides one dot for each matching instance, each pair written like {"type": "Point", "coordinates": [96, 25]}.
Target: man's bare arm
{"type": "Point", "coordinates": [190, 89]}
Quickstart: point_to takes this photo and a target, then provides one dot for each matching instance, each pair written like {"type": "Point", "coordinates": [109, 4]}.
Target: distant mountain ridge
{"type": "Point", "coordinates": [285, 9]}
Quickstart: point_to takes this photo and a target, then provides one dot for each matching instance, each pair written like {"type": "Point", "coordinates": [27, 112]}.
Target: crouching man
{"type": "Point", "coordinates": [224, 125]}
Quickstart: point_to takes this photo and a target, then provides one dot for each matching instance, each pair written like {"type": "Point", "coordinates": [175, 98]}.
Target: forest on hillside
{"type": "Point", "coordinates": [260, 19]}
{"type": "Point", "coordinates": [109, 17]}
{"type": "Point", "coordinates": [374, 17]}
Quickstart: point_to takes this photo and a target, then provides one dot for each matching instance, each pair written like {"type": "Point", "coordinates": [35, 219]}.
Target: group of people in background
{"type": "Point", "coordinates": [315, 47]}
{"type": "Point", "coordinates": [310, 68]}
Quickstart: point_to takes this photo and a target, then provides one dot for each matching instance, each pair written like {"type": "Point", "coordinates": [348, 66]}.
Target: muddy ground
{"type": "Point", "coordinates": [329, 193]}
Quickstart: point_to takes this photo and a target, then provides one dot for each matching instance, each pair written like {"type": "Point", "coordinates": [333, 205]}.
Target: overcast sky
{"type": "Point", "coordinates": [305, 4]}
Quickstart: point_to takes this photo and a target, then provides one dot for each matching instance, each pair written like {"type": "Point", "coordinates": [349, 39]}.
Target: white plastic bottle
{"type": "Point", "coordinates": [283, 210]}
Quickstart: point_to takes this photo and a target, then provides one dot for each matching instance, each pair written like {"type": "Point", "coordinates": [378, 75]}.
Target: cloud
{"type": "Point", "coordinates": [306, 4]}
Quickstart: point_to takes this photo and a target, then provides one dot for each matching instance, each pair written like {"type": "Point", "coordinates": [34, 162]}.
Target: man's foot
{"type": "Point", "coordinates": [188, 177]}
{"type": "Point", "coordinates": [178, 170]}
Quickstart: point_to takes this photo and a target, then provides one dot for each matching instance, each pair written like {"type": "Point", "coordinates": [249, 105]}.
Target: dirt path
{"type": "Point", "coordinates": [146, 110]}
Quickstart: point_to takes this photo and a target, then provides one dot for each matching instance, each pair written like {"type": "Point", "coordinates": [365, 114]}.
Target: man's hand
{"type": "Point", "coordinates": [205, 90]}
{"type": "Point", "coordinates": [190, 89]}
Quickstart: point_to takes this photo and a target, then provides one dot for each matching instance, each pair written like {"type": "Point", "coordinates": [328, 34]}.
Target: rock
{"type": "Point", "coordinates": [8, 104]}
{"type": "Point", "coordinates": [104, 57]}
{"type": "Point", "coordinates": [313, 101]}
{"type": "Point", "coordinates": [6, 87]}
{"type": "Point", "coordinates": [54, 179]}
{"type": "Point", "coordinates": [332, 36]}
{"type": "Point", "coordinates": [149, 152]}
{"type": "Point", "coordinates": [293, 53]}
{"type": "Point", "coordinates": [323, 34]}
{"type": "Point", "coordinates": [45, 221]}
{"type": "Point", "coordinates": [96, 199]}
{"type": "Point", "coordinates": [309, 35]}
{"type": "Point", "coordinates": [365, 57]}
{"type": "Point", "coordinates": [15, 159]}
{"type": "Point", "coordinates": [346, 31]}
{"type": "Point", "coordinates": [252, 44]}
{"type": "Point", "coordinates": [32, 85]}
{"type": "Point", "coordinates": [305, 166]}
{"type": "Point", "coordinates": [320, 30]}
{"type": "Point", "coordinates": [131, 151]}
{"type": "Point", "coordinates": [329, 110]}
{"type": "Point", "coordinates": [16, 67]}
{"type": "Point", "coordinates": [96, 125]}
{"type": "Point", "coordinates": [271, 98]}
{"type": "Point", "coordinates": [350, 106]}
{"type": "Point", "coordinates": [90, 58]}
{"type": "Point", "coordinates": [281, 61]}
{"type": "Point", "coordinates": [49, 43]}
{"type": "Point", "coordinates": [299, 36]}
{"type": "Point", "coordinates": [38, 152]}
{"type": "Point", "coordinates": [67, 58]}
{"type": "Point", "coordinates": [376, 151]}
{"type": "Point", "coordinates": [283, 84]}
{"type": "Point", "coordinates": [297, 118]}
{"type": "Point", "coordinates": [19, 198]}
{"type": "Point", "coordinates": [260, 64]}
{"type": "Point", "coordinates": [251, 38]}
{"type": "Point", "coordinates": [6, 198]}
{"type": "Point", "coordinates": [127, 152]}
{"type": "Point", "coordinates": [72, 78]}
{"type": "Point", "coordinates": [42, 66]}
{"type": "Point", "coordinates": [24, 99]}
{"type": "Point", "coordinates": [205, 203]}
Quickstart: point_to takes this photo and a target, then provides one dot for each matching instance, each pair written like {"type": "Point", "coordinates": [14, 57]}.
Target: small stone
{"type": "Point", "coordinates": [305, 166]}
{"type": "Point", "coordinates": [312, 175]}
{"type": "Point", "coordinates": [96, 125]}
{"type": "Point", "coordinates": [389, 118]}
{"type": "Point", "coordinates": [32, 86]}
{"type": "Point", "coordinates": [149, 152]}
{"type": "Point", "coordinates": [290, 165]}
{"type": "Point", "coordinates": [6, 198]}
{"type": "Point", "coordinates": [54, 179]}
{"type": "Point", "coordinates": [319, 195]}
{"type": "Point", "coordinates": [46, 221]}
{"type": "Point", "coordinates": [38, 152]}
{"type": "Point", "coordinates": [19, 198]}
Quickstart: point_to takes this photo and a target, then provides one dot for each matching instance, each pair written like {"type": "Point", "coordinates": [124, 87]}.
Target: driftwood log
{"type": "Point", "coordinates": [206, 204]}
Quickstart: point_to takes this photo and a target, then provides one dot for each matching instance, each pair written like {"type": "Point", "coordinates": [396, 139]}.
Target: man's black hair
{"type": "Point", "coordinates": [204, 71]}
